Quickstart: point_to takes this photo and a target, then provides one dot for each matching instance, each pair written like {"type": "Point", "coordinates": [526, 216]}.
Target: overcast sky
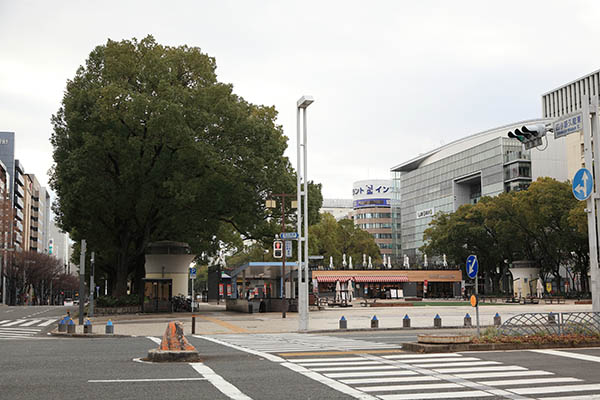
{"type": "Point", "coordinates": [391, 79]}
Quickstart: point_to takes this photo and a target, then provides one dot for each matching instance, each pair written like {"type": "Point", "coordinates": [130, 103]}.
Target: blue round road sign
{"type": "Point", "coordinates": [472, 266]}
{"type": "Point", "coordinates": [582, 184]}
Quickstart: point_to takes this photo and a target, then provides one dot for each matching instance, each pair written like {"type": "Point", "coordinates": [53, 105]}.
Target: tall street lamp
{"type": "Point", "coordinates": [302, 193]}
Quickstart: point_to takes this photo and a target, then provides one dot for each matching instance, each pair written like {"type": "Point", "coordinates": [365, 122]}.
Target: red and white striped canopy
{"type": "Point", "coordinates": [381, 278]}
{"type": "Point", "coordinates": [333, 278]}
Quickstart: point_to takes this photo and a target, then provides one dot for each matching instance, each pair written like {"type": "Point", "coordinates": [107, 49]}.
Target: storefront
{"type": "Point", "coordinates": [388, 284]}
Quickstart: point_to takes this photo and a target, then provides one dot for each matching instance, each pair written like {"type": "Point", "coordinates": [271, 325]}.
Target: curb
{"type": "Point", "coordinates": [399, 329]}
{"type": "Point", "coordinates": [86, 335]}
{"type": "Point", "coordinates": [451, 348]}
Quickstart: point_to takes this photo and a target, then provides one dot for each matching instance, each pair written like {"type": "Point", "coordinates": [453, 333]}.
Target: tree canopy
{"type": "Point", "coordinates": [149, 145]}
{"type": "Point", "coordinates": [544, 224]}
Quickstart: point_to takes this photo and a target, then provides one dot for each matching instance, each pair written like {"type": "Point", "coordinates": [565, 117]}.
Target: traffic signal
{"type": "Point", "coordinates": [50, 245]}
{"type": "Point", "coordinates": [529, 135]}
{"type": "Point", "coordinates": [277, 249]}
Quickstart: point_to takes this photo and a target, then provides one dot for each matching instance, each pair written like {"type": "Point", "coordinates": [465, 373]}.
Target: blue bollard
{"type": "Point", "coordinates": [497, 320]}
{"type": "Point", "coordinates": [62, 325]}
{"type": "Point", "coordinates": [468, 323]}
{"type": "Point", "coordinates": [374, 322]}
{"type": "Point", "coordinates": [110, 328]}
{"type": "Point", "coordinates": [343, 323]}
{"type": "Point", "coordinates": [406, 321]}
{"type": "Point", "coordinates": [87, 326]}
{"type": "Point", "coordinates": [71, 326]}
{"type": "Point", "coordinates": [437, 321]}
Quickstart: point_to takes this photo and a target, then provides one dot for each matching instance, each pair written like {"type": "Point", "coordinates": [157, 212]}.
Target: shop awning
{"type": "Point", "coordinates": [333, 278]}
{"type": "Point", "coordinates": [381, 278]}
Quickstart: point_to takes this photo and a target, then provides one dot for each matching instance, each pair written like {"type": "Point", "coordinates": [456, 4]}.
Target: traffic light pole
{"type": "Point", "coordinates": [81, 281]}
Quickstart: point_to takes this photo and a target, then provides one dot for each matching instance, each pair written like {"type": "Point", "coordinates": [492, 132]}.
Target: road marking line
{"type": "Point", "coordinates": [218, 382]}
{"type": "Point", "coordinates": [439, 395]}
{"type": "Point", "coordinates": [457, 364]}
{"type": "Point", "coordinates": [17, 322]}
{"type": "Point", "coordinates": [578, 356]}
{"type": "Point", "coordinates": [331, 364]}
{"type": "Point", "coordinates": [154, 339]}
{"type": "Point", "coordinates": [267, 356]}
{"type": "Point", "coordinates": [350, 369]}
{"type": "Point", "coordinates": [477, 375]}
{"type": "Point", "coordinates": [584, 397]}
{"type": "Point", "coordinates": [480, 369]}
{"type": "Point", "coordinates": [393, 357]}
{"type": "Point", "coordinates": [340, 387]}
{"type": "Point", "coordinates": [340, 359]}
{"type": "Point", "coordinates": [32, 322]}
{"type": "Point", "coordinates": [224, 324]}
{"type": "Point", "coordinates": [48, 322]}
{"type": "Point", "coordinates": [425, 386]}
{"type": "Point", "coordinates": [433, 360]}
{"type": "Point", "coordinates": [528, 381]}
{"type": "Point", "coordinates": [389, 379]}
{"type": "Point", "coordinates": [556, 389]}
{"type": "Point", "coordinates": [5, 321]}
{"type": "Point", "coordinates": [18, 329]}
{"type": "Point", "coordinates": [378, 373]}
{"type": "Point", "coordinates": [144, 380]}
{"type": "Point", "coordinates": [334, 353]}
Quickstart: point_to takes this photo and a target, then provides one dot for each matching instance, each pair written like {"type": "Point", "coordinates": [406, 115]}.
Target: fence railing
{"type": "Point", "coordinates": [586, 323]}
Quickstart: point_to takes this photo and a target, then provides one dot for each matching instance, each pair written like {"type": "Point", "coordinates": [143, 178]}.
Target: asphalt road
{"type": "Point", "coordinates": [289, 366]}
{"type": "Point", "coordinates": [29, 321]}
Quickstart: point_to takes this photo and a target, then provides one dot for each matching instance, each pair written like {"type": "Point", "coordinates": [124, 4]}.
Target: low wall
{"type": "Point", "coordinates": [117, 310]}
{"type": "Point", "coordinates": [254, 305]}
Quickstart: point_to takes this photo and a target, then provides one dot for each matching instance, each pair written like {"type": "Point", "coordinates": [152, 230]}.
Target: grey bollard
{"type": "Point", "coordinates": [374, 322]}
{"type": "Point", "coordinates": [468, 322]}
{"type": "Point", "coordinates": [437, 321]}
{"type": "Point", "coordinates": [406, 321]}
{"type": "Point", "coordinates": [343, 323]}
{"type": "Point", "coordinates": [551, 318]}
{"type": "Point", "coordinates": [110, 328]}
{"type": "Point", "coordinates": [71, 326]}
{"type": "Point", "coordinates": [497, 320]}
{"type": "Point", "coordinates": [87, 326]}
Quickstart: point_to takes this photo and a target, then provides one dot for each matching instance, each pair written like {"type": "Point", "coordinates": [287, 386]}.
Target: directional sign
{"type": "Point", "coordinates": [568, 124]}
{"type": "Point", "coordinates": [192, 273]}
{"type": "Point", "coordinates": [288, 235]}
{"type": "Point", "coordinates": [582, 184]}
{"type": "Point", "coordinates": [472, 266]}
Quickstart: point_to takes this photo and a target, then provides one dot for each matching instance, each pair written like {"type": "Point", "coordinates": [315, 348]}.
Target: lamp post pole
{"type": "Point", "coordinates": [302, 193]}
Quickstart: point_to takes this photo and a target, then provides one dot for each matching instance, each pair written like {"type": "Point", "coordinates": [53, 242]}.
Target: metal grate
{"type": "Point", "coordinates": [587, 323]}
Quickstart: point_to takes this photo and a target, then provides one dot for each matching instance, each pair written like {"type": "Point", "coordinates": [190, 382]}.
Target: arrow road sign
{"type": "Point", "coordinates": [582, 184]}
{"type": "Point", "coordinates": [472, 266]}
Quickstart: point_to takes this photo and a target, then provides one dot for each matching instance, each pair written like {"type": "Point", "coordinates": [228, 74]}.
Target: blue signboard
{"type": "Point", "coordinates": [582, 184]}
{"type": "Point", "coordinates": [472, 266]}
{"type": "Point", "coordinates": [192, 273]}
{"type": "Point", "coordinates": [289, 235]}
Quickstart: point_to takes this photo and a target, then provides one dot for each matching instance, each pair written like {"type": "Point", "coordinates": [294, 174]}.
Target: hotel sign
{"type": "Point", "coordinates": [425, 213]}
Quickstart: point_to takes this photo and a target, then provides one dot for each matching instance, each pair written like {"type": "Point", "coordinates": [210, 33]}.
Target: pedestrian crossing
{"type": "Point", "coordinates": [23, 328]}
{"type": "Point", "coordinates": [439, 376]}
{"type": "Point", "coordinates": [296, 342]}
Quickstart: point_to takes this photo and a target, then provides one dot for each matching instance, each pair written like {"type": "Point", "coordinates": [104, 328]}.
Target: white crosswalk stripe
{"type": "Point", "coordinates": [298, 342]}
{"type": "Point", "coordinates": [442, 376]}
{"type": "Point", "coordinates": [23, 328]}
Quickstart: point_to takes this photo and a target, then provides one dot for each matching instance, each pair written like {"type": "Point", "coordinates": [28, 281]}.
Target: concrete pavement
{"type": "Point", "coordinates": [213, 319]}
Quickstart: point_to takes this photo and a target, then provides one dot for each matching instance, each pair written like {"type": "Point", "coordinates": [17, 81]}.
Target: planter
{"type": "Point", "coordinates": [117, 310]}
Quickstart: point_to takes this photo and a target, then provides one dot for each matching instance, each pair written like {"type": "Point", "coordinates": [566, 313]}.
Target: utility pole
{"type": "Point", "coordinates": [81, 281]}
{"type": "Point", "coordinates": [92, 285]}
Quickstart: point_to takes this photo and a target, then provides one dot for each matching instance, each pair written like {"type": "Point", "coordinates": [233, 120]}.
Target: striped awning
{"type": "Point", "coordinates": [333, 278]}
{"type": "Point", "coordinates": [381, 278]}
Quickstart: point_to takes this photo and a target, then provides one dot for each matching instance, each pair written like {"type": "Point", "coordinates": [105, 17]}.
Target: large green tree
{"type": "Point", "coordinates": [149, 145]}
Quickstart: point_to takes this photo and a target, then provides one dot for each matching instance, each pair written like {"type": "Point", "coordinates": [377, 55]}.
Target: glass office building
{"type": "Point", "coordinates": [483, 164]}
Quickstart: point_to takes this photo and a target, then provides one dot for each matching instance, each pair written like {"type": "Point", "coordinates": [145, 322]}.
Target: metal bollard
{"type": "Point", "coordinates": [374, 322]}
{"type": "Point", "coordinates": [343, 323]}
{"type": "Point", "coordinates": [71, 326]}
{"type": "Point", "coordinates": [551, 318]}
{"type": "Point", "coordinates": [62, 325]}
{"type": "Point", "coordinates": [468, 323]}
{"type": "Point", "coordinates": [497, 320]}
{"type": "Point", "coordinates": [110, 328]}
{"type": "Point", "coordinates": [406, 321]}
{"type": "Point", "coordinates": [193, 324]}
{"type": "Point", "coordinates": [87, 326]}
{"type": "Point", "coordinates": [437, 321]}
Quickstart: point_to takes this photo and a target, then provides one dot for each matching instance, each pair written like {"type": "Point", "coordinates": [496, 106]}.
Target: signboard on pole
{"type": "Point", "coordinates": [472, 266]}
{"type": "Point", "coordinates": [583, 184]}
{"type": "Point", "coordinates": [288, 235]}
{"type": "Point", "coordinates": [193, 273]}
{"type": "Point", "coordinates": [568, 124]}
{"type": "Point", "coordinates": [288, 249]}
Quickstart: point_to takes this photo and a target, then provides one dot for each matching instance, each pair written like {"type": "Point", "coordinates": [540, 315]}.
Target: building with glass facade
{"type": "Point", "coordinates": [484, 164]}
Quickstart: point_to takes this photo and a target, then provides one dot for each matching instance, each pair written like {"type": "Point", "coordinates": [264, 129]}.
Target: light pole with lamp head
{"type": "Point", "coordinates": [302, 193]}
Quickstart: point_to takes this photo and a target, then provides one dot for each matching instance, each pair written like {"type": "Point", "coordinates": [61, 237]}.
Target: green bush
{"type": "Point", "coordinates": [110, 301]}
